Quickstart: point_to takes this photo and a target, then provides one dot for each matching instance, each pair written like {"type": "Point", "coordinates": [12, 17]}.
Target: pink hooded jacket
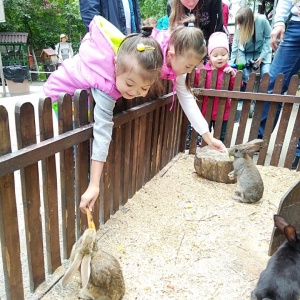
{"type": "Point", "coordinates": [209, 71]}
{"type": "Point", "coordinates": [92, 67]}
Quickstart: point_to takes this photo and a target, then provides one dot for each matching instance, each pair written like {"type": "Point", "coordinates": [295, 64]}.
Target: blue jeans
{"type": "Point", "coordinates": [286, 61]}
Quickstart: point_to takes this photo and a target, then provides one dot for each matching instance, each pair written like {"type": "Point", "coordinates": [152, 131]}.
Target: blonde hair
{"type": "Point", "coordinates": [244, 18]}
{"type": "Point", "coordinates": [186, 37]}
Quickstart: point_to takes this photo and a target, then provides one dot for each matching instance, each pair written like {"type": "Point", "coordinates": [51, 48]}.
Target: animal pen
{"type": "Point", "coordinates": [54, 170]}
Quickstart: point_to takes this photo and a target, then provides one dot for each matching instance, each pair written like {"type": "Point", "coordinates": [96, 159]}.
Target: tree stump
{"type": "Point", "coordinates": [213, 165]}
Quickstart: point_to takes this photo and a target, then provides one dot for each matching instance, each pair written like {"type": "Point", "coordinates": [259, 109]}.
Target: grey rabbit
{"type": "Point", "coordinates": [281, 278]}
{"type": "Point", "coordinates": [250, 186]}
{"type": "Point", "coordinates": [101, 274]}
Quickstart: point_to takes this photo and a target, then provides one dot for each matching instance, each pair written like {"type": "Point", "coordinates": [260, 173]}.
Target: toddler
{"type": "Point", "coordinates": [218, 52]}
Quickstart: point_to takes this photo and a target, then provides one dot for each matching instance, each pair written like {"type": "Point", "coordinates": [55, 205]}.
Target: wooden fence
{"type": "Point", "coordinates": [54, 169]}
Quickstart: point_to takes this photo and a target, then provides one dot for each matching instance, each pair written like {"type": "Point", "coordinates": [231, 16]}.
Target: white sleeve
{"type": "Point", "coordinates": [189, 106]}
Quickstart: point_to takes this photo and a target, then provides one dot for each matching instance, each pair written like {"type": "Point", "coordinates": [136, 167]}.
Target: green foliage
{"type": "Point", "coordinates": [153, 8]}
{"type": "Point", "coordinates": [44, 21]}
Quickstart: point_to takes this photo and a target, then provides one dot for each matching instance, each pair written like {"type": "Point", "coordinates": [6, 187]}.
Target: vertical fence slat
{"type": "Point", "coordinates": [160, 139]}
{"type": "Point", "coordinates": [117, 170]}
{"type": "Point", "coordinates": [49, 189]}
{"type": "Point", "coordinates": [148, 147]}
{"type": "Point", "coordinates": [284, 121]}
{"type": "Point", "coordinates": [135, 140]}
{"type": "Point", "coordinates": [126, 141]}
{"type": "Point", "coordinates": [270, 121]}
{"type": "Point", "coordinates": [9, 233]}
{"type": "Point", "coordinates": [141, 153]}
{"type": "Point", "coordinates": [155, 141]}
{"type": "Point", "coordinates": [245, 109]}
{"type": "Point", "coordinates": [67, 179]}
{"type": "Point", "coordinates": [233, 109]}
{"type": "Point", "coordinates": [82, 159]}
{"type": "Point", "coordinates": [26, 135]}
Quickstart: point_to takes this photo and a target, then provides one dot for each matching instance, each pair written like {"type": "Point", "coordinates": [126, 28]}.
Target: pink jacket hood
{"type": "Point", "coordinates": [93, 66]}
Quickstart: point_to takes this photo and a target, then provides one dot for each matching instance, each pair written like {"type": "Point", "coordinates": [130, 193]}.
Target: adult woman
{"type": "Point", "coordinates": [208, 14]}
{"type": "Point", "coordinates": [63, 49]}
{"type": "Point", "coordinates": [251, 42]}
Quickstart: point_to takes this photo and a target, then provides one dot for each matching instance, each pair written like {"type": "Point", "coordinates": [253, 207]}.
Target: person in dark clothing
{"type": "Point", "coordinates": [124, 14]}
{"type": "Point", "coordinates": [208, 14]}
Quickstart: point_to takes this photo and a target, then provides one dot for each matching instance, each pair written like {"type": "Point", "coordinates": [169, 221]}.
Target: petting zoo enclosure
{"type": "Point", "coordinates": [53, 170]}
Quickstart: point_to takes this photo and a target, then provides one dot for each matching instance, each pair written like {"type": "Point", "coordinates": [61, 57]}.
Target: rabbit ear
{"type": "Point", "coordinates": [280, 223]}
{"type": "Point", "coordinates": [72, 270]}
{"type": "Point", "coordinates": [290, 233]}
{"type": "Point", "coordinates": [85, 270]}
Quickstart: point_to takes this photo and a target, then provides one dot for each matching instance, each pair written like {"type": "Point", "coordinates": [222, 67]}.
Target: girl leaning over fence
{"type": "Point", "coordinates": [112, 66]}
{"type": "Point", "coordinates": [183, 50]}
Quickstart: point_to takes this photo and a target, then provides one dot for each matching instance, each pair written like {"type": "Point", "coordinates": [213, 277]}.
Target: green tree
{"type": "Point", "coordinates": [153, 8]}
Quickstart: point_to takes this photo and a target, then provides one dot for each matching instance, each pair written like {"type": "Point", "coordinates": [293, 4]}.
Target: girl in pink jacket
{"type": "Point", "coordinates": [218, 52]}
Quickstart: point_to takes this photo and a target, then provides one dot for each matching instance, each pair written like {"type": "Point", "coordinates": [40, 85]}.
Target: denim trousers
{"type": "Point", "coordinates": [286, 61]}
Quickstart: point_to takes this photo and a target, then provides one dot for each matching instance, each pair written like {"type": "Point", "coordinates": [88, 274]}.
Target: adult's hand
{"type": "Point", "coordinates": [277, 33]}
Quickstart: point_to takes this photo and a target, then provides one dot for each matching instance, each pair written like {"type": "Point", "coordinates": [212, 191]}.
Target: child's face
{"type": "Point", "coordinates": [131, 85]}
{"type": "Point", "coordinates": [182, 64]}
{"type": "Point", "coordinates": [218, 57]}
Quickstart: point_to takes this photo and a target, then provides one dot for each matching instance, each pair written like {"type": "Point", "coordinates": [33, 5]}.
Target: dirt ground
{"type": "Point", "coordinates": [183, 237]}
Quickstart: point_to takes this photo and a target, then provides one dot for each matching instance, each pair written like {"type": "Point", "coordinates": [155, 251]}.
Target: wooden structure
{"type": "Point", "coordinates": [13, 47]}
{"type": "Point", "coordinates": [146, 136]}
{"type": "Point", "coordinates": [49, 55]}
{"type": "Point", "coordinates": [289, 208]}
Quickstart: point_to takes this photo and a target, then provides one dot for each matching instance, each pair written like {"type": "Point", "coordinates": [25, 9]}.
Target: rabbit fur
{"type": "Point", "coordinates": [281, 278]}
{"type": "Point", "coordinates": [250, 187]}
{"type": "Point", "coordinates": [101, 274]}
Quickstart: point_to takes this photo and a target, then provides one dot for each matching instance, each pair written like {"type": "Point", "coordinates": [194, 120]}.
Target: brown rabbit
{"type": "Point", "coordinates": [101, 273]}
{"type": "Point", "coordinates": [249, 182]}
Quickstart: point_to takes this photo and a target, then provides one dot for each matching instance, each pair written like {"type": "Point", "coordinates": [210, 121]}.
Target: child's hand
{"type": "Point", "coordinates": [230, 70]}
{"type": "Point", "coordinates": [89, 198]}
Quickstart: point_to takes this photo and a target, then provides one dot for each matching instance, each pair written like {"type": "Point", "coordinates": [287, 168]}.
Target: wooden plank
{"type": "Point", "coordinates": [245, 110]}
{"type": "Point", "coordinates": [270, 121]}
{"type": "Point", "coordinates": [49, 189]}
{"type": "Point", "coordinates": [126, 140]}
{"type": "Point", "coordinates": [148, 147]}
{"type": "Point", "coordinates": [117, 191]}
{"type": "Point", "coordinates": [82, 158]}
{"type": "Point", "coordinates": [67, 178]}
{"type": "Point", "coordinates": [108, 180]}
{"type": "Point", "coordinates": [233, 109]}
{"type": "Point", "coordinates": [135, 140]}
{"type": "Point", "coordinates": [160, 139]}
{"type": "Point", "coordinates": [9, 232]}
{"type": "Point", "coordinates": [26, 135]}
{"type": "Point", "coordinates": [284, 121]}
{"type": "Point", "coordinates": [288, 208]}
{"type": "Point", "coordinates": [141, 153]}
{"type": "Point", "coordinates": [155, 142]}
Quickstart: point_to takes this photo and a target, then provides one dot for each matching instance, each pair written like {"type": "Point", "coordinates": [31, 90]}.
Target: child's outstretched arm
{"type": "Point", "coordinates": [102, 132]}
{"type": "Point", "coordinates": [90, 196]}
{"type": "Point", "coordinates": [193, 113]}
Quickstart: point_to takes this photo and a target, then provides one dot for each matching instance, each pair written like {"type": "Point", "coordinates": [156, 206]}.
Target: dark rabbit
{"type": "Point", "coordinates": [101, 274]}
{"type": "Point", "coordinates": [281, 279]}
{"type": "Point", "coordinates": [250, 187]}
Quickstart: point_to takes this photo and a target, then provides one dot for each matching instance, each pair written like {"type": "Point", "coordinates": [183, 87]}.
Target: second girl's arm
{"type": "Point", "coordinates": [193, 113]}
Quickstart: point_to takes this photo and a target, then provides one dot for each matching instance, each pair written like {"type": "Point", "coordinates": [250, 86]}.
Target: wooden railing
{"type": "Point", "coordinates": [54, 169]}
